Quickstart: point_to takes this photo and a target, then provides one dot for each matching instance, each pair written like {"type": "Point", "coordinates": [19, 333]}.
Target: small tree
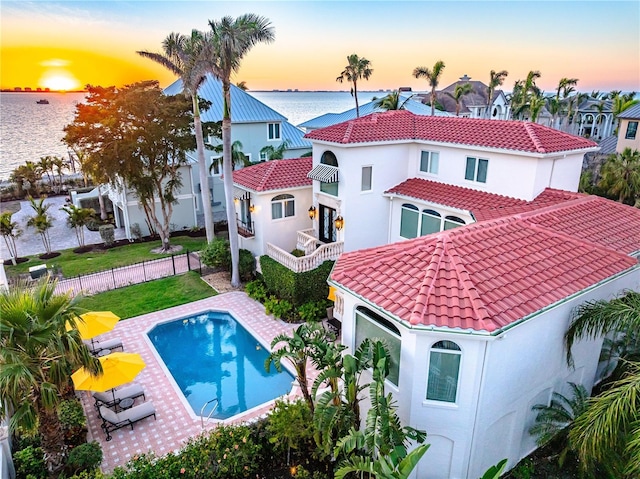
{"type": "Point", "coordinates": [275, 153]}
{"type": "Point", "coordinates": [357, 68]}
{"type": "Point", "coordinates": [41, 221]}
{"type": "Point", "coordinates": [77, 219]}
{"type": "Point", "coordinates": [10, 231]}
{"type": "Point", "coordinates": [461, 90]}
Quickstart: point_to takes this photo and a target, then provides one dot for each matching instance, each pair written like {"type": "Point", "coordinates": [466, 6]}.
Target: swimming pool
{"type": "Point", "coordinates": [211, 355]}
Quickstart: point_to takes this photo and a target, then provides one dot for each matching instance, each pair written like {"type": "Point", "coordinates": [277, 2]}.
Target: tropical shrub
{"type": "Point", "coordinates": [290, 426]}
{"type": "Point", "coordinates": [298, 288]}
{"type": "Point", "coordinates": [313, 310]}
{"type": "Point", "coordinates": [280, 308]}
{"type": "Point", "coordinates": [107, 234]}
{"type": "Point", "coordinates": [30, 462]}
{"type": "Point", "coordinates": [257, 290]}
{"type": "Point", "coordinates": [246, 265]}
{"type": "Point", "coordinates": [73, 422]}
{"type": "Point", "coordinates": [217, 254]}
{"type": "Point", "coordinates": [136, 231]}
{"type": "Point", "coordinates": [85, 457]}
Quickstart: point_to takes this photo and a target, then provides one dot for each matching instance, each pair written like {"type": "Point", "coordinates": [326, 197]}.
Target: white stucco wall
{"type": "Point", "coordinates": [281, 232]}
{"type": "Point", "coordinates": [500, 380]}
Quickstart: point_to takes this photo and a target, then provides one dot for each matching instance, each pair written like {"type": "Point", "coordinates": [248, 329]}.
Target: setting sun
{"type": "Point", "coordinates": [59, 81]}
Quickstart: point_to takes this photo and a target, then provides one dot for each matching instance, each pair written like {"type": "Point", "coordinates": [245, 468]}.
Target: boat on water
{"type": "Point", "coordinates": [43, 102]}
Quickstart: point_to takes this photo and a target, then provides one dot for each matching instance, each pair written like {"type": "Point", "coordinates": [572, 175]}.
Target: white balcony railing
{"type": "Point", "coordinates": [325, 252]}
{"type": "Point", "coordinates": [307, 240]}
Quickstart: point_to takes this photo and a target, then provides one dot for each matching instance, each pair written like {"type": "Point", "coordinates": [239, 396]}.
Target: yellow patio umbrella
{"type": "Point", "coordinates": [94, 323]}
{"type": "Point", "coordinates": [117, 368]}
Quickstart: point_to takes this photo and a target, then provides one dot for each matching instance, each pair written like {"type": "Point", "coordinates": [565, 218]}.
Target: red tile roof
{"type": "Point", "coordinates": [487, 275]}
{"type": "Point", "coordinates": [404, 125]}
{"type": "Point", "coordinates": [275, 175]}
{"type": "Point", "coordinates": [483, 205]}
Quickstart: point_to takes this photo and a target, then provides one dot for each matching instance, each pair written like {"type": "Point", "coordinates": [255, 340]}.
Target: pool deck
{"type": "Point", "coordinates": [175, 422]}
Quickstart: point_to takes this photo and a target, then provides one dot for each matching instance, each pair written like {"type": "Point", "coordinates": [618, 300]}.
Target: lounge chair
{"type": "Point", "coordinates": [107, 398]}
{"type": "Point", "coordinates": [115, 420]}
{"type": "Point", "coordinates": [109, 344]}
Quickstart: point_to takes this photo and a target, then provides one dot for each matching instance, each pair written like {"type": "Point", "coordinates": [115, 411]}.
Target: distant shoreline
{"type": "Point", "coordinates": [4, 90]}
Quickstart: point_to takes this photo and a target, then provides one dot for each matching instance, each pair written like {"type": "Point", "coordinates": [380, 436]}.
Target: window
{"type": "Point", "coordinates": [264, 156]}
{"type": "Point", "coordinates": [216, 166]}
{"type": "Point", "coordinates": [282, 206]}
{"type": "Point", "coordinates": [328, 158]}
{"type": "Point", "coordinates": [444, 367]}
{"type": "Point", "coordinates": [373, 326]}
{"type": "Point", "coordinates": [476, 169]}
{"type": "Point", "coordinates": [632, 130]}
{"type": "Point", "coordinates": [409, 221]}
{"type": "Point", "coordinates": [429, 161]}
{"type": "Point", "coordinates": [451, 222]}
{"type": "Point", "coordinates": [274, 131]}
{"type": "Point", "coordinates": [431, 222]}
{"type": "Point", "coordinates": [366, 178]}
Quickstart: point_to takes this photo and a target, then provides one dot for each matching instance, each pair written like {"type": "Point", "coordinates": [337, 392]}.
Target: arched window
{"type": "Point", "coordinates": [451, 222]}
{"type": "Point", "coordinates": [409, 221]}
{"type": "Point", "coordinates": [373, 326]}
{"type": "Point", "coordinates": [431, 221]}
{"type": "Point", "coordinates": [444, 368]}
{"type": "Point", "coordinates": [282, 206]}
{"type": "Point", "coordinates": [328, 158]}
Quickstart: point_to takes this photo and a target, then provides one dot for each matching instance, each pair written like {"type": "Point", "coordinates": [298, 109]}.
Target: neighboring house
{"type": "Point", "coordinates": [593, 119]}
{"type": "Point", "coordinates": [253, 124]}
{"type": "Point", "coordinates": [272, 202]}
{"type": "Point", "coordinates": [466, 248]}
{"type": "Point", "coordinates": [409, 101]}
{"type": "Point", "coordinates": [473, 104]}
{"type": "Point", "coordinates": [628, 135]}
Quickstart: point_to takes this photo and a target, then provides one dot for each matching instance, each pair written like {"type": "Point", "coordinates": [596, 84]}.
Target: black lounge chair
{"type": "Point", "coordinates": [116, 420]}
{"type": "Point", "coordinates": [107, 345]}
{"type": "Point", "coordinates": [113, 398]}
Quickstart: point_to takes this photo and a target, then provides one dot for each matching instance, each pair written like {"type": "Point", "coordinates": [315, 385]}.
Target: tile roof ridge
{"type": "Point", "coordinates": [269, 168]}
{"type": "Point", "coordinates": [428, 282]}
{"type": "Point", "coordinates": [530, 129]}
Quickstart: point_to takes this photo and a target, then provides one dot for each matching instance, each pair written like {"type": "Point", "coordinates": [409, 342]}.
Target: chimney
{"type": "Point", "coordinates": [465, 78]}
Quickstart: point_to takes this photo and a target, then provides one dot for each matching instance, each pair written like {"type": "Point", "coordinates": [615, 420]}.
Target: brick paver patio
{"type": "Point", "coordinates": [175, 422]}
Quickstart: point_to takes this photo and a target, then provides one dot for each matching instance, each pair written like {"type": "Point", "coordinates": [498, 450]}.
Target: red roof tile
{"type": "Point", "coordinates": [487, 275]}
{"type": "Point", "coordinates": [275, 175]}
{"type": "Point", "coordinates": [483, 205]}
{"type": "Point", "coordinates": [404, 125]}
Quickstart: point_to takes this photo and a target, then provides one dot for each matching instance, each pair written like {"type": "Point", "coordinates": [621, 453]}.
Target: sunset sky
{"type": "Point", "coordinates": [68, 44]}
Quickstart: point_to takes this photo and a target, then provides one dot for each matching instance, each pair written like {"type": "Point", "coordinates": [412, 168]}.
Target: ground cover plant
{"type": "Point", "coordinates": [152, 296]}
{"type": "Point", "coordinates": [71, 264]}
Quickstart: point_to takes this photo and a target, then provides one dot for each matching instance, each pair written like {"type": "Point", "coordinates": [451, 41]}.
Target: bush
{"type": "Point", "coordinates": [280, 308]}
{"type": "Point", "coordinates": [136, 231]}
{"type": "Point", "coordinates": [313, 311]}
{"type": "Point", "coordinates": [85, 457]}
{"type": "Point", "coordinates": [107, 234]}
{"type": "Point", "coordinates": [298, 288]}
{"type": "Point", "coordinates": [290, 426]}
{"type": "Point", "coordinates": [217, 254]}
{"type": "Point", "coordinates": [256, 290]}
{"type": "Point", "coordinates": [246, 265]}
{"type": "Point", "coordinates": [73, 421]}
{"type": "Point", "coordinates": [298, 253]}
{"type": "Point", "coordinates": [30, 462]}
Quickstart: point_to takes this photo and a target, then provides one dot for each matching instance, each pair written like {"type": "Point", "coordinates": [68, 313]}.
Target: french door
{"type": "Point", "coordinates": [327, 232]}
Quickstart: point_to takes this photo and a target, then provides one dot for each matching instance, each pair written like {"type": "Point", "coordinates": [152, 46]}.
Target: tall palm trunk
{"type": "Point", "coordinates": [355, 94]}
{"type": "Point", "coordinates": [202, 170]}
{"type": "Point", "coordinates": [433, 100]}
{"type": "Point", "coordinates": [227, 168]}
{"type": "Point", "coordinates": [103, 209]}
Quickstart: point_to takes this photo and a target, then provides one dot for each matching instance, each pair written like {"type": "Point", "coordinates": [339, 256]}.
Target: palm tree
{"type": "Point", "coordinates": [523, 90]}
{"type": "Point", "coordinates": [536, 103]}
{"type": "Point", "coordinates": [186, 57]}
{"type": "Point", "coordinates": [37, 355]}
{"type": "Point", "coordinates": [391, 101]}
{"type": "Point", "coordinates": [298, 349]}
{"type": "Point", "coordinates": [620, 104]}
{"type": "Point", "coordinates": [242, 85]}
{"type": "Point", "coordinates": [237, 156]}
{"type": "Point", "coordinates": [230, 40]}
{"type": "Point", "coordinates": [41, 221]}
{"type": "Point", "coordinates": [10, 231]}
{"type": "Point", "coordinates": [621, 175]}
{"type": "Point", "coordinates": [433, 77]}
{"type": "Point", "coordinates": [496, 79]}
{"type": "Point", "coordinates": [607, 433]}
{"type": "Point", "coordinates": [565, 87]}
{"type": "Point", "coordinates": [460, 90]}
{"type": "Point", "coordinates": [77, 219]}
{"type": "Point", "coordinates": [26, 177]}
{"type": "Point", "coordinates": [357, 68]}
{"type": "Point", "coordinates": [275, 153]}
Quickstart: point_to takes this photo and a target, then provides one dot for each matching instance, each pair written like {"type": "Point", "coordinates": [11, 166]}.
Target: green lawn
{"type": "Point", "coordinates": [73, 264]}
{"type": "Point", "coordinates": [152, 296]}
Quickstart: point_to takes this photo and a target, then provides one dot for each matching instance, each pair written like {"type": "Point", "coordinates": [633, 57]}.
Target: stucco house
{"type": "Point", "coordinates": [463, 243]}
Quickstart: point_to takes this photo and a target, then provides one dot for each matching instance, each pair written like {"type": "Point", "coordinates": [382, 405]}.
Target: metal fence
{"type": "Point", "coordinates": [133, 274]}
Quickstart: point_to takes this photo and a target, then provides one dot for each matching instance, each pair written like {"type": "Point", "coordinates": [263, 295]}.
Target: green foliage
{"type": "Point", "coordinates": [495, 471]}
{"type": "Point", "coordinates": [107, 234]}
{"type": "Point", "coordinates": [524, 470]}
{"type": "Point", "coordinates": [246, 265]}
{"type": "Point", "coordinates": [73, 422]}
{"type": "Point", "coordinates": [298, 253]}
{"type": "Point", "coordinates": [30, 461]}
{"type": "Point", "coordinates": [313, 310]}
{"type": "Point", "coordinates": [290, 426]}
{"type": "Point", "coordinates": [257, 290]}
{"type": "Point", "coordinates": [217, 254]}
{"type": "Point", "coordinates": [136, 231]}
{"type": "Point", "coordinates": [298, 288]}
{"type": "Point", "coordinates": [280, 308]}
{"type": "Point", "coordinates": [86, 456]}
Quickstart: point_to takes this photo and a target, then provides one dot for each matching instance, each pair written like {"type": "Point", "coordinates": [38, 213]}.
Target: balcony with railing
{"type": "Point", "coordinates": [315, 252]}
{"type": "Point", "coordinates": [245, 229]}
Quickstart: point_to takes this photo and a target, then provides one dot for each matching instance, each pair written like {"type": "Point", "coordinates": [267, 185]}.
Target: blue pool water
{"type": "Point", "coordinates": [212, 356]}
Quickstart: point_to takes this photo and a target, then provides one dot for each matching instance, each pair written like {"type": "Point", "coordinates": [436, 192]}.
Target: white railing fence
{"type": "Point", "coordinates": [324, 252]}
{"type": "Point", "coordinates": [307, 240]}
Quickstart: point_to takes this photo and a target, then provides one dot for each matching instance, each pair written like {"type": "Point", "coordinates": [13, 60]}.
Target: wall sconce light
{"type": "Point", "coordinates": [252, 208]}
{"type": "Point", "coordinates": [339, 223]}
{"type": "Point", "coordinates": [312, 212]}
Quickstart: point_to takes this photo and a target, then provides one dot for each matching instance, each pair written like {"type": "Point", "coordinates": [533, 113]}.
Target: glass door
{"type": "Point", "coordinates": [327, 232]}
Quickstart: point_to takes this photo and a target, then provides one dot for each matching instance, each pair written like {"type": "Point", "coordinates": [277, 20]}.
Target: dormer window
{"type": "Point", "coordinates": [274, 131]}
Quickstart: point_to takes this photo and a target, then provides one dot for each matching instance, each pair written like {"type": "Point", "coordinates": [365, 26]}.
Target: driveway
{"type": "Point", "coordinates": [62, 237]}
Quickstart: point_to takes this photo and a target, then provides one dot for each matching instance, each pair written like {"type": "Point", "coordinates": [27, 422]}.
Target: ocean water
{"type": "Point", "coordinates": [29, 131]}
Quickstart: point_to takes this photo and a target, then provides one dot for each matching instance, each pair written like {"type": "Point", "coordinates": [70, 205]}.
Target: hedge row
{"type": "Point", "coordinates": [298, 288]}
